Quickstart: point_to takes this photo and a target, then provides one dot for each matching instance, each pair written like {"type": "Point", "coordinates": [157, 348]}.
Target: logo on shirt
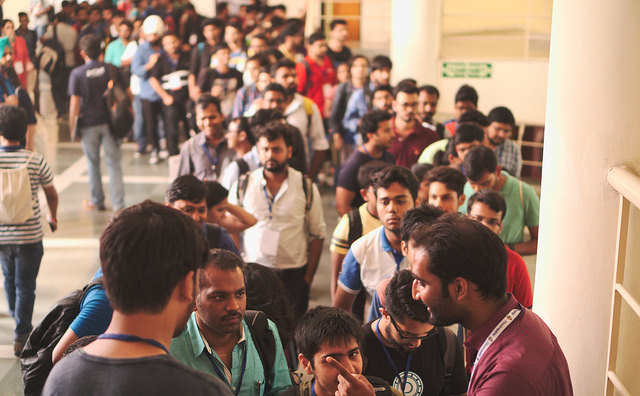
{"type": "Point", "coordinates": [97, 72]}
{"type": "Point", "coordinates": [414, 384]}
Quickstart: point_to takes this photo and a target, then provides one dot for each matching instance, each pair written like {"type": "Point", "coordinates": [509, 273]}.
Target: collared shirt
{"type": "Point", "coordinates": [509, 157]}
{"type": "Point", "coordinates": [231, 173]}
{"type": "Point", "coordinates": [306, 117]}
{"type": "Point", "coordinates": [294, 225]}
{"type": "Point", "coordinates": [369, 260]}
{"type": "Point", "coordinates": [525, 359]}
{"type": "Point", "coordinates": [407, 149]}
{"type": "Point", "coordinates": [195, 161]}
{"type": "Point", "coordinates": [191, 348]}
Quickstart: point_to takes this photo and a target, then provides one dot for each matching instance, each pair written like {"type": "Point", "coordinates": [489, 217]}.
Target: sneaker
{"type": "Point", "coordinates": [137, 155]}
{"type": "Point", "coordinates": [153, 158]}
{"type": "Point", "coordinates": [88, 205]}
{"type": "Point", "coordinates": [163, 155]}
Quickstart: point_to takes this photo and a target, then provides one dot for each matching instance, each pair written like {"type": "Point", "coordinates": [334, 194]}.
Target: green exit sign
{"type": "Point", "coordinates": [467, 69]}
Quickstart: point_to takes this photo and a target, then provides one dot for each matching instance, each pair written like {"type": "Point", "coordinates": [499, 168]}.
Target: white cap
{"type": "Point", "coordinates": [153, 24]}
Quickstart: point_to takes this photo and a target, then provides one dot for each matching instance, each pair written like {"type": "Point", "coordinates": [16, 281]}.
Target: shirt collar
{"type": "Point", "coordinates": [197, 340]}
{"type": "Point", "coordinates": [386, 246]}
{"type": "Point", "coordinates": [476, 338]}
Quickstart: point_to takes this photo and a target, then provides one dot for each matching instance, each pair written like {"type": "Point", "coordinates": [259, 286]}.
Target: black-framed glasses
{"type": "Point", "coordinates": [411, 336]}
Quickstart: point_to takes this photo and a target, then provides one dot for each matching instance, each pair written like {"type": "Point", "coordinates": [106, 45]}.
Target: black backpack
{"type": "Point", "coordinates": [118, 105]}
{"type": "Point", "coordinates": [51, 55]}
{"type": "Point", "coordinates": [35, 361]}
{"type": "Point", "coordinates": [263, 340]}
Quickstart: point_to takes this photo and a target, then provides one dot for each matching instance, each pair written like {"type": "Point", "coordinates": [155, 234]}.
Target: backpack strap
{"type": "Point", "coordinates": [308, 108]}
{"type": "Point", "coordinates": [243, 182]}
{"type": "Point", "coordinates": [264, 341]}
{"type": "Point", "coordinates": [243, 166]}
{"type": "Point", "coordinates": [355, 225]}
{"type": "Point", "coordinates": [307, 72]}
{"type": "Point", "coordinates": [307, 187]}
{"type": "Point", "coordinates": [448, 344]}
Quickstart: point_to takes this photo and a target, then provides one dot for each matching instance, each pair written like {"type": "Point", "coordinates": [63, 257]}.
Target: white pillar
{"type": "Point", "coordinates": [415, 40]}
{"type": "Point", "coordinates": [592, 123]}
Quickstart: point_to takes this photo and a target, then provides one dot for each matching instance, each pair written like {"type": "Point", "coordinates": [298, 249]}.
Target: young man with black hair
{"type": "Point", "coordinates": [460, 268]}
{"type": "Point", "coordinates": [316, 72]}
{"type": "Point", "coordinates": [378, 254]}
{"type": "Point", "coordinates": [444, 188]}
{"type": "Point", "coordinates": [381, 66]}
{"type": "Point", "coordinates": [466, 99]}
{"type": "Point", "coordinates": [337, 51]}
{"type": "Point", "coordinates": [329, 343]}
{"type": "Point", "coordinates": [220, 80]}
{"type": "Point", "coordinates": [202, 52]}
{"type": "Point", "coordinates": [375, 129]}
{"type": "Point", "coordinates": [219, 341]}
{"type": "Point", "coordinates": [382, 98]}
{"type": "Point", "coordinates": [233, 37]}
{"type": "Point", "coordinates": [428, 97]}
{"type": "Point", "coordinates": [89, 122]}
{"type": "Point", "coordinates": [411, 354]}
{"type": "Point", "coordinates": [523, 205]}
{"type": "Point", "coordinates": [502, 126]}
{"type": "Point", "coordinates": [292, 38]}
{"type": "Point", "coordinates": [249, 91]}
{"type": "Point", "coordinates": [151, 256]}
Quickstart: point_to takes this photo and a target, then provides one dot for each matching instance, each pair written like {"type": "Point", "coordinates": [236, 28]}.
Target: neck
{"type": "Point", "coordinates": [242, 148]}
{"type": "Point", "coordinates": [288, 99]}
{"type": "Point", "coordinates": [5, 142]}
{"type": "Point", "coordinates": [316, 59]}
{"type": "Point", "coordinates": [371, 208]}
{"type": "Point", "coordinates": [320, 391]}
{"type": "Point", "coordinates": [358, 82]}
{"type": "Point", "coordinates": [373, 150]}
{"type": "Point", "coordinates": [384, 330]}
{"type": "Point", "coordinates": [402, 125]}
{"type": "Point", "coordinates": [483, 311]}
{"type": "Point", "coordinates": [276, 177]}
{"type": "Point", "coordinates": [393, 238]}
{"type": "Point", "coordinates": [213, 141]}
{"type": "Point", "coordinates": [501, 180]}
{"type": "Point", "coordinates": [235, 46]}
{"type": "Point", "coordinates": [217, 340]}
{"type": "Point", "coordinates": [335, 45]}
{"type": "Point", "coordinates": [222, 68]}
{"type": "Point", "coordinates": [288, 45]}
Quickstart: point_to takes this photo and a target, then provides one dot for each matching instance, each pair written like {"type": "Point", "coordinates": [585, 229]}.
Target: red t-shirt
{"type": "Point", "coordinates": [518, 282]}
{"type": "Point", "coordinates": [320, 75]}
{"type": "Point", "coordinates": [21, 59]}
{"type": "Point", "coordinates": [408, 149]}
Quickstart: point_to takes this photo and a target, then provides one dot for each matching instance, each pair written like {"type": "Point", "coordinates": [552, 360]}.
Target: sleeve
{"type": "Point", "coordinates": [376, 304]}
{"type": "Point", "coordinates": [356, 108]}
{"type": "Point", "coordinates": [46, 176]}
{"type": "Point", "coordinates": [157, 70]}
{"type": "Point", "coordinates": [194, 64]}
{"type": "Point", "coordinates": [349, 278]}
{"type": "Point", "coordinates": [232, 197]}
{"type": "Point", "coordinates": [280, 378]}
{"type": "Point", "coordinates": [230, 175]}
{"type": "Point", "coordinates": [317, 136]}
{"type": "Point", "coordinates": [348, 177]}
{"type": "Point", "coordinates": [74, 86]}
{"type": "Point", "coordinates": [317, 225]}
{"type": "Point", "coordinates": [95, 313]}
{"type": "Point", "coordinates": [238, 104]}
{"type": "Point", "coordinates": [184, 167]}
{"type": "Point", "coordinates": [337, 110]}
{"type": "Point", "coordinates": [109, 56]}
{"type": "Point", "coordinates": [24, 102]}
{"type": "Point", "coordinates": [138, 62]}
{"type": "Point", "coordinates": [227, 243]}
{"type": "Point", "coordinates": [340, 238]}
{"type": "Point", "coordinates": [531, 206]}
{"type": "Point", "coordinates": [518, 161]}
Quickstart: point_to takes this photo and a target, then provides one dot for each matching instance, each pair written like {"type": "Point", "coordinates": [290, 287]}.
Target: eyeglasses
{"type": "Point", "coordinates": [491, 222]}
{"type": "Point", "coordinates": [411, 336]}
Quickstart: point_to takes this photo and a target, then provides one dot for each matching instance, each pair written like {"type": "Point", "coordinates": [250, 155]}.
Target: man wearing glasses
{"type": "Point", "coordinates": [415, 357]}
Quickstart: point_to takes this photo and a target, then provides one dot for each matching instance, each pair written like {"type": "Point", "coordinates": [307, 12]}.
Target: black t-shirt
{"type": "Point", "coordinates": [230, 81]}
{"type": "Point", "coordinates": [200, 58]}
{"type": "Point", "coordinates": [339, 57]}
{"type": "Point", "coordinates": [173, 76]}
{"type": "Point", "coordinates": [89, 81]}
{"type": "Point", "coordinates": [348, 176]}
{"type": "Point", "coordinates": [426, 374]}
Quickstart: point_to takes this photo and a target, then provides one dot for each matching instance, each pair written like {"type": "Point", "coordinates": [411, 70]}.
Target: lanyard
{"type": "Point", "coordinates": [132, 338]}
{"type": "Point", "coordinates": [504, 323]}
{"type": "Point", "coordinates": [213, 161]}
{"type": "Point", "coordinates": [224, 377]}
{"type": "Point", "coordinates": [313, 388]}
{"type": "Point", "coordinates": [403, 382]}
{"type": "Point", "coordinates": [270, 201]}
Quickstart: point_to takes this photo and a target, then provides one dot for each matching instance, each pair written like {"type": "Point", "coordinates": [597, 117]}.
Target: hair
{"type": "Point", "coordinates": [396, 174]}
{"type": "Point", "coordinates": [217, 22]}
{"type": "Point", "coordinates": [452, 178]}
{"type": "Point", "coordinates": [276, 88]}
{"type": "Point", "coordinates": [419, 216]}
{"type": "Point", "coordinates": [260, 36]}
{"type": "Point", "coordinates": [408, 81]}
{"type": "Point", "coordinates": [186, 187]}
{"type": "Point", "coordinates": [407, 88]}
{"type": "Point", "coordinates": [467, 93]}
{"type": "Point", "coordinates": [221, 7]}
{"type": "Point", "coordinates": [381, 62]}
{"type": "Point", "coordinates": [399, 302]}
{"type": "Point", "coordinates": [216, 193]}
{"type": "Point", "coordinates": [355, 58]}
{"type": "Point", "coordinates": [502, 115]}
{"type": "Point", "coordinates": [291, 28]}
{"type": "Point", "coordinates": [384, 87]}
{"type": "Point", "coordinates": [317, 36]}
{"type": "Point", "coordinates": [468, 133]}
{"type": "Point", "coordinates": [170, 34]}
{"type": "Point", "coordinates": [460, 247]}
{"type": "Point", "coordinates": [474, 116]}
{"type": "Point", "coordinates": [275, 130]}
{"type": "Point", "coordinates": [22, 14]}
{"type": "Point", "coordinates": [325, 325]}
{"type": "Point", "coordinates": [442, 157]}
{"type": "Point", "coordinates": [145, 251]}
{"type": "Point", "coordinates": [205, 100]}
{"type": "Point", "coordinates": [13, 123]}
{"type": "Point", "coordinates": [491, 198]}
{"type": "Point", "coordinates": [370, 122]}
{"type": "Point", "coordinates": [430, 89]}
{"type": "Point", "coordinates": [219, 47]}
{"type": "Point", "coordinates": [264, 116]}
{"type": "Point", "coordinates": [262, 60]}
{"type": "Point", "coordinates": [127, 23]}
{"type": "Point", "coordinates": [223, 260]}
{"type": "Point", "coordinates": [284, 62]}
{"type": "Point", "coordinates": [368, 170]}
{"type": "Point", "coordinates": [478, 161]}
{"type": "Point", "coordinates": [337, 22]}
{"type": "Point", "coordinates": [234, 25]}
{"type": "Point", "coordinates": [90, 45]}
{"type": "Point", "coordinates": [245, 127]}
{"type": "Point", "coordinates": [419, 170]}
{"type": "Point", "coordinates": [60, 17]}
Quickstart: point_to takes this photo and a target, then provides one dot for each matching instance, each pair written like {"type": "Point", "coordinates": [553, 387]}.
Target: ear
{"type": "Point", "coordinates": [459, 288]}
{"type": "Point", "coordinates": [187, 287]}
{"type": "Point", "coordinates": [414, 290]}
{"type": "Point", "coordinates": [404, 248]}
{"type": "Point", "coordinates": [384, 312]}
{"type": "Point", "coordinates": [461, 199]}
{"type": "Point", "coordinates": [242, 135]}
{"type": "Point", "coordinates": [453, 159]}
{"type": "Point", "coordinates": [498, 170]}
{"type": "Point", "coordinates": [289, 152]}
{"type": "Point", "coordinates": [363, 194]}
{"type": "Point", "coordinates": [306, 364]}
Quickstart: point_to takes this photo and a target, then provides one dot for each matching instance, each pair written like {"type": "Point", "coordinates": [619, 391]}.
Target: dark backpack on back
{"type": "Point", "coordinates": [118, 105]}
{"type": "Point", "coordinates": [263, 340]}
{"type": "Point", "coordinates": [51, 55]}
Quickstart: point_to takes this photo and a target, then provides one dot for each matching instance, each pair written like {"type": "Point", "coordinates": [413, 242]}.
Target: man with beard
{"type": "Point", "coordinates": [502, 126]}
{"type": "Point", "coordinates": [219, 341]}
{"type": "Point", "coordinates": [206, 154]}
{"type": "Point", "coordinates": [428, 97]}
{"type": "Point", "coordinates": [151, 256]}
{"type": "Point", "coordinates": [460, 268]}
{"type": "Point", "coordinates": [291, 227]}
{"type": "Point", "coordinates": [414, 356]}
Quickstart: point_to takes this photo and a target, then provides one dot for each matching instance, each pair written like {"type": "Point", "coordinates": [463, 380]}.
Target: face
{"type": "Point", "coordinates": [318, 49]}
{"type": "Point", "coordinates": [196, 210]}
{"type": "Point", "coordinates": [384, 135]}
{"type": "Point", "coordinates": [491, 219]}
{"type": "Point", "coordinates": [124, 32]}
{"type": "Point", "coordinates": [405, 106]}
{"type": "Point", "coordinates": [441, 197]}
{"type": "Point", "coordinates": [152, 38]}
{"type": "Point", "coordinates": [287, 78]}
{"type": "Point", "coordinates": [94, 17]}
{"type": "Point", "coordinates": [223, 56]}
{"type": "Point", "coordinates": [8, 30]}
{"type": "Point", "coordinates": [274, 155]}
{"type": "Point", "coordinates": [407, 335]}
{"type": "Point", "coordinates": [359, 69]}
{"type": "Point", "coordinates": [382, 100]}
{"type": "Point", "coordinates": [263, 80]}
{"type": "Point", "coordinates": [82, 16]}
{"type": "Point", "coordinates": [340, 33]}
{"type": "Point", "coordinates": [462, 107]}
{"type": "Point", "coordinates": [392, 204]}
{"type": "Point", "coordinates": [427, 104]}
{"type": "Point", "coordinates": [346, 353]}
{"type": "Point", "coordinates": [170, 44]}
{"type": "Point", "coordinates": [258, 45]}
{"type": "Point", "coordinates": [222, 300]}
{"type": "Point", "coordinates": [218, 212]}
{"type": "Point", "coordinates": [211, 33]}
{"type": "Point", "coordinates": [342, 73]}
{"type": "Point", "coordinates": [274, 100]}
{"type": "Point", "coordinates": [231, 35]}
{"type": "Point", "coordinates": [253, 69]}
{"type": "Point", "coordinates": [7, 58]}
{"type": "Point", "coordinates": [210, 121]}
{"type": "Point", "coordinates": [487, 180]}
{"type": "Point", "coordinates": [233, 134]}
{"type": "Point", "coordinates": [24, 21]}
{"type": "Point", "coordinates": [463, 148]}
{"type": "Point", "coordinates": [498, 132]}
{"type": "Point", "coordinates": [381, 76]}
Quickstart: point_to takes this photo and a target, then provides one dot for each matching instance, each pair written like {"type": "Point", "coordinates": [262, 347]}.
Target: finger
{"type": "Point", "coordinates": [341, 369]}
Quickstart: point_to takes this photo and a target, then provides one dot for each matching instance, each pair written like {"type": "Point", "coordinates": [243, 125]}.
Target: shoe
{"type": "Point", "coordinates": [163, 155]}
{"type": "Point", "coordinates": [153, 158]}
{"type": "Point", "coordinates": [18, 346]}
{"type": "Point", "coordinates": [137, 155]}
{"type": "Point", "coordinates": [88, 205]}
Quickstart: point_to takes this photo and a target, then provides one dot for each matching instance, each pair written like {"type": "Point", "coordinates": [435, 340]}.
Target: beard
{"type": "Point", "coordinates": [274, 166]}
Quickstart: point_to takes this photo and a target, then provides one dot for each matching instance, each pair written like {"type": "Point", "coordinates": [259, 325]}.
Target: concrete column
{"type": "Point", "coordinates": [415, 40]}
{"type": "Point", "coordinates": [592, 123]}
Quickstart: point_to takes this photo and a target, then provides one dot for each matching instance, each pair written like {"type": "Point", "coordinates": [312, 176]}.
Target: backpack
{"type": "Point", "coordinates": [355, 225]}
{"type": "Point", "coordinates": [51, 56]}
{"type": "Point", "coordinates": [448, 343]}
{"type": "Point", "coordinates": [263, 340]}
{"type": "Point", "coordinates": [35, 361]}
{"type": "Point", "coordinates": [15, 194]}
{"type": "Point", "coordinates": [118, 105]}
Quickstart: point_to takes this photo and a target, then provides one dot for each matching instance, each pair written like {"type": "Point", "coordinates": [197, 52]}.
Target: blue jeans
{"type": "Point", "coordinates": [92, 138]}
{"type": "Point", "coordinates": [20, 265]}
{"type": "Point", "coordinates": [138, 124]}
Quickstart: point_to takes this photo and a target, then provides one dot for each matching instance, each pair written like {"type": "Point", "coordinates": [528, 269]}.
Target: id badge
{"type": "Point", "coordinates": [269, 242]}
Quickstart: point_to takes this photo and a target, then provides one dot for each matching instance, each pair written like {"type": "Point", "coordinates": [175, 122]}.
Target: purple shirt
{"type": "Point", "coordinates": [524, 360]}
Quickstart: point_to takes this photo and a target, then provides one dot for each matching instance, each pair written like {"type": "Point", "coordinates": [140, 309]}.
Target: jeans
{"type": "Point", "coordinates": [138, 124]}
{"type": "Point", "coordinates": [20, 265]}
{"type": "Point", "coordinates": [92, 138]}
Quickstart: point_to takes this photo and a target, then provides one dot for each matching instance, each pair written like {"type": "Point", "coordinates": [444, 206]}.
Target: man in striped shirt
{"type": "Point", "coordinates": [20, 240]}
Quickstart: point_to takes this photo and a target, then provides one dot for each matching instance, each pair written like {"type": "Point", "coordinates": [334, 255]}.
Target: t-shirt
{"type": "Point", "coordinates": [89, 81]}
{"type": "Point", "coordinates": [407, 149]}
{"type": "Point", "coordinates": [82, 374]}
{"type": "Point", "coordinates": [518, 281]}
{"type": "Point", "coordinates": [348, 176]}
{"type": "Point", "coordinates": [173, 76]}
{"type": "Point", "coordinates": [339, 57]}
{"type": "Point", "coordinates": [340, 239]}
{"type": "Point", "coordinates": [95, 311]}
{"type": "Point", "coordinates": [426, 373]}
{"type": "Point", "coordinates": [230, 82]}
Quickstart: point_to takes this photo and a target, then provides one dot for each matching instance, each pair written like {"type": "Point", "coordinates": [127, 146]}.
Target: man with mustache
{"type": "Point", "coordinates": [220, 342]}
{"type": "Point", "coordinates": [503, 126]}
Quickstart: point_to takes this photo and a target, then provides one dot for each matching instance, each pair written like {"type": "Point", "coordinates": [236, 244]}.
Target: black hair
{"type": "Point", "coordinates": [399, 301]}
{"type": "Point", "coordinates": [337, 22]}
{"type": "Point", "coordinates": [430, 89]}
{"type": "Point", "coordinates": [478, 161]}
{"type": "Point", "coordinates": [419, 170]}
{"type": "Point", "coordinates": [264, 116]}
{"type": "Point", "coordinates": [244, 126]}
{"type": "Point", "coordinates": [90, 45]}
{"type": "Point", "coordinates": [221, 6]}
{"type": "Point", "coordinates": [491, 198]}
{"type": "Point", "coordinates": [260, 36]}
{"type": "Point", "coordinates": [325, 325]}
{"type": "Point", "coordinates": [408, 81]}
{"type": "Point", "coordinates": [284, 62]}
{"type": "Point", "coordinates": [128, 23]}
{"type": "Point", "coordinates": [406, 88]}
{"type": "Point", "coordinates": [170, 34]}
{"type": "Point", "coordinates": [396, 174]}
{"type": "Point", "coordinates": [383, 87]}
{"type": "Point", "coordinates": [381, 62]}
{"type": "Point", "coordinates": [60, 17]}
{"type": "Point", "coordinates": [370, 122]}
{"type": "Point", "coordinates": [146, 250]}
{"type": "Point", "coordinates": [291, 28]}
{"type": "Point", "coordinates": [262, 60]}
{"type": "Point", "coordinates": [205, 100]}
{"type": "Point", "coordinates": [13, 123]}
{"type": "Point", "coordinates": [467, 93]}
{"type": "Point", "coordinates": [275, 130]}
{"type": "Point", "coordinates": [216, 193]}
{"type": "Point", "coordinates": [5, 21]}
{"type": "Point", "coordinates": [235, 25]}
{"type": "Point", "coordinates": [442, 157]}
{"type": "Point", "coordinates": [474, 116]}
{"type": "Point", "coordinates": [452, 178]}
{"type": "Point", "coordinates": [276, 22]}
{"type": "Point", "coordinates": [23, 14]}
{"type": "Point", "coordinates": [186, 187]}
{"type": "Point", "coordinates": [224, 260]}
{"type": "Point", "coordinates": [276, 88]}
{"type": "Point", "coordinates": [419, 216]}
{"type": "Point", "coordinates": [468, 133]}
{"type": "Point", "coordinates": [502, 115]}
{"type": "Point", "coordinates": [317, 36]}
{"type": "Point", "coordinates": [217, 22]}
{"type": "Point", "coordinates": [355, 58]}
{"type": "Point", "coordinates": [460, 247]}
{"type": "Point", "coordinates": [366, 172]}
{"type": "Point", "coordinates": [219, 47]}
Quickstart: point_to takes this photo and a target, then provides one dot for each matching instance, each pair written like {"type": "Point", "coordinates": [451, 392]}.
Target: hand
{"type": "Point", "coordinates": [53, 223]}
{"type": "Point", "coordinates": [337, 141]}
{"type": "Point", "coordinates": [308, 278]}
{"type": "Point", "coordinates": [153, 58]}
{"type": "Point", "coordinates": [350, 384]}
{"type": "Point", "coordinates": [167, 100]}
{"type": "Point", "coordinates": [216, 90]}
{"type": "Point", "coordinates": [11, 100]}
{"type": "Point", "coordinates": [29, 66]}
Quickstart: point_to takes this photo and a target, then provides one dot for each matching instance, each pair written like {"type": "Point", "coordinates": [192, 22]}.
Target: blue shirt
{"type": "Point", "coordinates": [89, 81]}
{"type": "Point", "coordinates": [356, 108]}
{"type": "Point", "coordinates": [140, 59]}
{"type": "Point", "coordinates": [95, 312]}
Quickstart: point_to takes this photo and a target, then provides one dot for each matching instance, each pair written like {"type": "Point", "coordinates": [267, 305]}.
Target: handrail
{"type": "Point", "coordinates": [625, 182]}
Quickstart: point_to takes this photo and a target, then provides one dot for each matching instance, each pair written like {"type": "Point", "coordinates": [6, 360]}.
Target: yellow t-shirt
{"type": "Point", "coordinates": [340, 239]}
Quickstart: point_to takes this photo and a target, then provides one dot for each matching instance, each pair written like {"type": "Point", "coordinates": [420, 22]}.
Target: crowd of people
{"type": "Point", "coordinates": [209, 291]}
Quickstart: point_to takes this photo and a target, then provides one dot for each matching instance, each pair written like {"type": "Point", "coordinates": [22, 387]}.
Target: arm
{"type": "Point", "coordinates": [68, 338]}
{"type": "Point", "coordinates": [239, 219]}
{"type": "Point", "coordinates": [528, 247]}
{"type": "Point", "coordinates": [279, 376]}
{"type": "Point", "coordinates": [167, 99]}
{"type": "Point", "coordinates": [52, 202]}
{"type": "Point", "coordinates": [31, 131]}
{"type": "Point", "coordinates": [343, 299]}
{"type": "Point", "coordinates": [74, 113]}
{"type": "Point", "coordinates": [316, 163]}
{"type": "Point", "coordinates": [313, 258]}
{"type": "Point", "coordinates": [349, 281]}
{"type": "Point", "coordinates": [336, 267]}
{"type": "Point", "coordinates": [344, 198]}
{"type": "Point", "coordinates": [317, 232]}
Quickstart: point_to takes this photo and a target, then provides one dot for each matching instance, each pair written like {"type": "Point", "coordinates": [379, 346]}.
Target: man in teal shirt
{"type": "Point", "coordinates": [116, 48]}
{"type": "Point", "coordinates": [217, 339]}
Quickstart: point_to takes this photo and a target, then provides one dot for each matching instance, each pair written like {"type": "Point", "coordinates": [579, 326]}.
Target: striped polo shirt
{"type": "Point", "coordinates": [12, 157]}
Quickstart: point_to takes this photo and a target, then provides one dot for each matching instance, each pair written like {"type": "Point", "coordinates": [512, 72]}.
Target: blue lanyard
{"type": "Point", "coordinates": [270, 201]}
{"type": "Point", "coordinates": [403, 382]}
{"type": "Point", "coordinates": [213, 161]}
{"type": "Point", "coordinates": [132, 338]}
{"type": "Point", "coordinates": [313, 388]}
{"type": "Point", "coordinates": [221, 374]}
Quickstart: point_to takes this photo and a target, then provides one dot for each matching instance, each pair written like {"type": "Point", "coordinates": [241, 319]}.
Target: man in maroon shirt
{"type": "Point", "coordinates": [316, 73]}
{"type": "Point", "coordinates": [410, 136]}
{"type": "Point", "coordinates": [460, 268]}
